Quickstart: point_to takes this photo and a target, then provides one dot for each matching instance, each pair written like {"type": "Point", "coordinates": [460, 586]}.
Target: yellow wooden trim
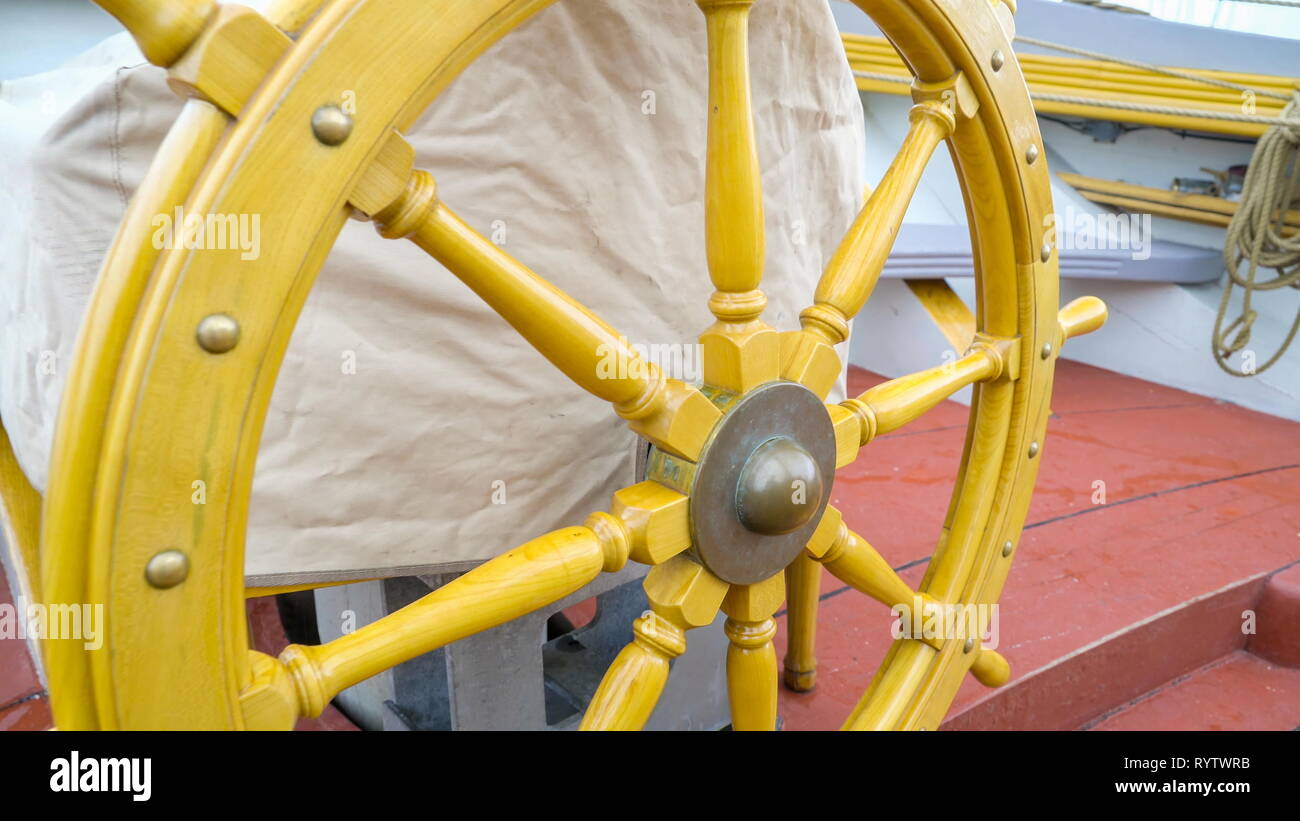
{"type": "Point", "coordinates": [952, 316]}
{"type": "Point", "coordinates": [1103, 82]}
{"type": "Point", "coordinates": [1193, 207]}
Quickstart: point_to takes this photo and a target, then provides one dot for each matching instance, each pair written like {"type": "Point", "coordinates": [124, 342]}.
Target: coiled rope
{"type": "Point", "coordinates": [1256, 237]}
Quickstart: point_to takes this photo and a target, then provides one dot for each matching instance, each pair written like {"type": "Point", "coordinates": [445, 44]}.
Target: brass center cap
{"type": "Point", "coordinates": [760, 485]}
{"type": "Point", "coordinates": [780, 487]}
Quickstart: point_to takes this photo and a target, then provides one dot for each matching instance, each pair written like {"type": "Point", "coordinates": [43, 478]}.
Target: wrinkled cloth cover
{"type": "Point", "coordinates": [407, 411]}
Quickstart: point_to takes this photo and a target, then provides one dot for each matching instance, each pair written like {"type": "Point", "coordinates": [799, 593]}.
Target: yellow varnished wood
{"type": "Point", "coordinates": [683, 595]}
{"type": "Point", "coordinates": [751, 674]}
{"type": "Point", "coordinates": [848, 427]}
{"type": "Point", "coordinates": [751, 658]}
{"type": "Point", "coordinates": [853, 270]}
{"type": "Point", "coordinates": [230, 59]}
{"type": "Point", "coordinates": [740, 351]}
{"type": "Point", "coordinates": [891, 405]}
{"type": "Point", "coordinates": [657, 519]}
{"type": "Point", "coordinates": [76, 453]}
{"type": "Point", "coordinates": [856, 563]}
{"type": "Point", "coordinates": [292, 15]}
{"type": "Point", "coordinates": [803, 588]}
{"type": "Point", "coordinates": [511, 585]}
{"type": "Point", "coordinates": [163, 29]}
{"type": "Point", "coordinates": [138, 376]}
{"type": "Point", "coordinates": [674, 415]}
{"type": "Point", "coordinates": [683, 591]}
{"type": "Point", "coordinates": [990, 668]}
{"type": "Point", "coordinates": [1082, 316]}
{"type": "Point", "coordinates": [633, 683]}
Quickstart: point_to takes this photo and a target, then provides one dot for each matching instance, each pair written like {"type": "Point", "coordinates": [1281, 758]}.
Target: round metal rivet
{"type": "Point", "coordinates": [167, 569]}
{"type": "Point", "coordinates": [1045, 253]}
{"type": "Point", "coordinates": [997, 60]}
{"type": "Point", "coordinates": [331, 124]}
{"type": "Point", "coordinates": [1046, 351]}
{"type": "Point", "coordinates": [1031, 153]}
{"type": "Point", "coordinates": [969, 645]}
{"type": "Point", "coordinates": [217, 333]}
{"type": "Point", "coordinates": [780, 487]}
{"type": "Point", "coordinates": [1007, 547]}
{"type": "Point", "coordinates": [1033, 449]}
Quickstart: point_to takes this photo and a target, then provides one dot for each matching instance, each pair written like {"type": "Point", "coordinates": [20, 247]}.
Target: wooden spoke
{"type": "Point", "coordinates": [673, 415]}
{"type": "Point", "coordinates": [803, 588]}
{"type": "Point", "coordinates": [852, 560]}
{"type": "Point", "coordinates": [163, 29]}
{"type": "Point", "coordinates": [851, 275]}
{"type": "Point", "coordinates": [740, 351]}
{"type": "Point", "coordinates": [683, 595]}
{"type": "Point", "coordinates": [856, 563]}
{"type": "Point", "coordinates": [891, 405]}
{"type": "Point", "coordinates": [507, 587]}
{"type": "Point", "coordinates": [632, 685]}
{"type": "Point", "coordinates": [751, 659]}
{"type": "Point", "coordinates": [648, 523]}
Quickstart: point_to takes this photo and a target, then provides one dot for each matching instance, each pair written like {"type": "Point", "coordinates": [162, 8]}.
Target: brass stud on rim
{"type": "Point", "coordinates": [1046, 351]}
{"type": "Point", "coordinates": [969, 645]}
{"type": "Point", "coordinates": [996, 60]}
{"type": "Point", "coordinates": [1045, 253]}
{"type": "Point", "coordinates": [1031, 153]}
{"type": "Point", "coordinates": [1007, 547]}
{"type": "Point", "coordinates": [167, 569]}
{"type": "Point", "coordinates": [331, 124]}
{"type": "Point", "coordinates": [217, 333]}
{"type": "Point", "coordinates": [1033, 449]}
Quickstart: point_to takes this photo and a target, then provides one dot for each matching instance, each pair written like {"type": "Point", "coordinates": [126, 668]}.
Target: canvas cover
{"type": "Point", "coordinates": [411, 428]}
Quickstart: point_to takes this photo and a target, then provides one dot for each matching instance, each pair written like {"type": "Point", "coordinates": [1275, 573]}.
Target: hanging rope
{"type": "Point", "coordinates": [1256, 237]}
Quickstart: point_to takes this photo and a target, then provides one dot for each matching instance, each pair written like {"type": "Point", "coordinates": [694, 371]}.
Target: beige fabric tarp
{"type": "Point", "coordinates": [411, 428]}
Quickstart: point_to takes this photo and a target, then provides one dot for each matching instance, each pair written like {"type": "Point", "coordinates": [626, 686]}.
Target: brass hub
{"type": "Point", "coordinates": [761, 484]}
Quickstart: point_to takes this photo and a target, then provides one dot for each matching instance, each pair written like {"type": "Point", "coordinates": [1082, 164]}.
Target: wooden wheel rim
{"type": "Point", "coordinates": [135, 361]}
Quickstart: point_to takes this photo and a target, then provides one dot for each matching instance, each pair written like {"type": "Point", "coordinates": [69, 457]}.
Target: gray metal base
{"type": "Point", "coordinates": [511, 677]}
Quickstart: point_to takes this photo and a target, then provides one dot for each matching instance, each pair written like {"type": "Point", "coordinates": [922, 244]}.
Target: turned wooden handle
{"type": "Point", "coordinates": [163, 29]}
{"type": "Point", "coordinates": [1082, 316]}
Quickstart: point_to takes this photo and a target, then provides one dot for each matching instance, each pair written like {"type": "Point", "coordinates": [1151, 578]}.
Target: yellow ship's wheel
{"type": "Point", "coordinates": [180, 350]}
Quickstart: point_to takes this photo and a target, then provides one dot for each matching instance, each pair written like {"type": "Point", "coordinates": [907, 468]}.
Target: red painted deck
{"type": "Point", "coordinates": [1105, 601]}
{"type": "Point", "coordinates": [1117, 615]}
